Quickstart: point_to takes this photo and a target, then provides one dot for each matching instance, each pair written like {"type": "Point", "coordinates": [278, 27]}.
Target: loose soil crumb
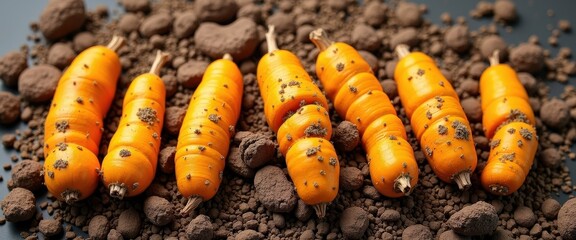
{"type": "Point", "coordinates": [346, 136]}
{"type": "Point", "coordinates": [19, 205]}
{"type": "Point", "coordinates": [28, 174]}
{"type": "Point", "coordinates": [477, 219]}
{"type": "Point", "coordinates": [158, 210]}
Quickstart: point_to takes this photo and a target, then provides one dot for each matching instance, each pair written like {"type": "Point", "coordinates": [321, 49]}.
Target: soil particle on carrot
{"type": "Point", "coordinates": [273, 190]}
{"type": "Point", "coordinates": [256, 150]}
{"type": "Point", "coordinates": [38, 83]}
{"type": "Point", "coordinates": [474, 220]}
{"type": "Point", "coordinates": [9, 108]}
{"type": "Point", "coordinates": [354, 222]}
{"type": "Point", "coordinates": [60, 18]}
{"type": "Point", "coordinates": [98, 227]}
{"type": "Point", "coordinates": [173, 119]}
{"type": "Point", "coordinates": [11, 65]}
{"type": "Point", "coordinates": [28, 174]}
{"type": "Point", "coordinates": [19, 205]}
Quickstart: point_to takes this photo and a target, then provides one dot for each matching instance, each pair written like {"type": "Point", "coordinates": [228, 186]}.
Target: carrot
{"type": "Point", "coordinates": [73, 127]}
{"type": "Point", "coordinates": [205, 134]}
{"type": "Point", "coordinates": [130, 164]}
{"type": "Point", "coordinates": [295, 109]}
{"type": "Point", "coordinates": [357, 95]}
{"type": "Point", "coordinates": [436, 116]}
{"type": "Point", "coordinates": [508, 121]}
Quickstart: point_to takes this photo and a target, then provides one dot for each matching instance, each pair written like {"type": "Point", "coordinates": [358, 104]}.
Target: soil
{"type": "Point", "coordinates": [256, 199]}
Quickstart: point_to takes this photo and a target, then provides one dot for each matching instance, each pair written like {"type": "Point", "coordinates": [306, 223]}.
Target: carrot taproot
{"type": "Point", "coordinates": [358, 96]}
{"type": "Point", "coordinates": [508, 121]}
{"type": "Point", "coordinates": [130, 164]}
{"type": "Point", "coordinates": [206, 130]}
{"type": "Point", "coordinates": [296, 110]}
{"type": "Point", "coordinates": [74, 124]}
{"type": "Point", "coordinates": [436, 116]}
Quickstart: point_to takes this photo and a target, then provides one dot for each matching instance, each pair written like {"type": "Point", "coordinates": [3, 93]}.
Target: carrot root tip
{"type": "Point", "coordinates": [227, 56]}
{"type": "Point", "coordinates": [320, 38]}
{"type": "Point", "coordinates": [463, 180]}
{"type": "Point", "coordinates": [159, 61]}
{"type": "Point", "coordinates": [320, 209]}
{"type": "Point", "coordinates": [192, 204]}
{"type": "Point", "coordinates": [402, 50]}
{"type": "Point", "coordinates": [117, 190]}
{"type": "Point", "coordinates": [271, 39]}
{"type": "Point", "coordinates": [402, 184]}
{"type": "Point", "coordinates": [498, 189]}
{"type": "Point", "coordinates": [115, 43]}
{"type": "Point", "coordinates": [71, 196]}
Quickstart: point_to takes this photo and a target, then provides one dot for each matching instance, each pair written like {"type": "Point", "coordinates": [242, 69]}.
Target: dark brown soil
{"type": "Point", "coordinates": [256, 199]}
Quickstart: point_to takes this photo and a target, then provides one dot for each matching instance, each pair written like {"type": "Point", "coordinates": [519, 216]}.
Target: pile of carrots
{"type": "Point", "coordinates": [297, 111]}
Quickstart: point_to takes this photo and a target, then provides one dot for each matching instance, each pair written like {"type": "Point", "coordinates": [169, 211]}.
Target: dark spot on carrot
{"type": "Point", "coordinates": [197, 131]}
{"type": "Point", "coordinates": [494, 143]}
{"type": "Point", "coordinates": [60, 164]}
{"type": "Point", "coordinates": [404, 165]}
{"type": "Point", "coordinates": [315, 129]}
{"type": "Point", "coordinates": [207, 182]}
{"type": "Point", "coordinates": [392, 137]}
{"type": "Point", "coordinates": [201, 148]}
{"type": "Point", "coordinates": [79, 100]}
{"type": "Point", "coordinates": [311, 151]}
{"type": "Point", "coordinates": [428, 115]}
{"type": "Point", "coordinates": [519, 143]}
{"type": "Point", "coordinates": [322, 172]}
{"type": "Point", "coordinates": [442, 130]}
{"type": "Point", "coordinates": [507, 157]}
{"type": "Point", "coordinates": [135, 185]}
{"type": "Point", "coordinates": [428, 151]}
{"type": "Point", "coordinates": [147, 115]}
{"type": "Point", "coordinates": [80, 148]}
{"type": "Point", "coordinates": [410, 78]}
{"type": "Point", "coordinates": [511, 130]}
{"type": "Point", "coordinates": [461, 130]}
{"type": "Point", "coordinates": [188, 176]}
{"type": "Point", "coordinates": [62, 126]}
{"type": "Point", "coordinates": [50, 174]}
{"type": "Point", "coordinates": [62, 146]}
{"type": "Point", "coordinates": [340, 67]}
{"type": "Point", "coordinates": [352, 89]}
{"type": "Point", "coordinates": [125, 153]}
{"type": "Point", "coordinates": [293, 83]}
{"type": "Point", "coordinates": [86, 66]}
{"type": "Point", "coordinates": [316, 185]}
{"type": "Point", "coordinates": [213, 117]}
{"type": "Point", "coordinates": [420, 72]}
{"type": "Point", "coordinates": [332, 161]}
{"type": "Point", "coordinates": [441, 83]}
{"type": "Point", "coordinates": [526, 134]}
{"type": "Point", "coordinates": [320, 159]}
{"type": "Point", "coordinates": [288, 137]}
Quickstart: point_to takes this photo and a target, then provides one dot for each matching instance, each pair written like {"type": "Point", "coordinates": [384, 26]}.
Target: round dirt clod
{"type": "Point", "coordinates": [157, 24]}
{"type": "Point", "coordinates": [9, 108]}
{"type": "Point", "coordinates": [457, 38]}
{"type": "Point", "coordinates": [19, 205]}
{"type": "Point", "coordinates": [173, 119]}
{"type": "Point", "coordinates": [492, 43]}
{"type": "Point", "coordinates": [408, 36]}
{"type": "Point", "coordinates": [83, 41]}
{"type": "Point", "coordinates": [136, 5]}
{"type": "Point", "coordinates": [11, 65]}
{"type": "Point", "coordinates": [219, 11]}
{"type": "Point", "coordinates": [129, 223]}
{"type": "Point", "coordinates": [200, 228]}
{"type": "Point", "coordinates": [566, 216]}
{"type": "Point", "coordinates": [555, 113]}
{"type": "Point", "coordinates": [50, 227]}
{"type": "Point", "coordinates": [527, 57]}
{"type": "Point", "coordinates": [28, 174]}
{"type": "Point", "coordinates": [505, 11]}
{"type": "Point", "coordinates": [128, 23]}
{"type": "Point", "coordinates": [166, 159]}
{"type": "Point", "coordinates": [61, 17]}
{"type": "Point", "coordinates": [417, 232]}
{"type": "Point", "coordinates": [256, 150]}
{"type": "Point", "coordinates": [98, 227]}
{"type": "Point", "coordinates": [239, 39]}
{"type": "Point", "coordinates": [524, 216]}
{"type": "Point", "coordinates": [346, 136]}
{"type": "Point", "coordinates": [60, 55]}
{"type": "Point", "coordinates": [364, 37]}
{"type": "Point", "coordinates": [38, 83]}
{"type": "Point", "coordinates": [551, 158]}
{"type": "Point", "coordinates": [274, 190]}
{"type": "Point", "coordinates": [351, 178]}
{"type": "Point", "coordinates": [550, 208]}
{"type": "Point", "coordinates": [185, 24]}
{"type": "Point", "coordinates": [158, 210]}
{"type": "Point", "coordinates": [408, 14]}
{"type": "Point", "coordinates": [354, 222]}
{"type": "Point", "coordinates": [475, 220]}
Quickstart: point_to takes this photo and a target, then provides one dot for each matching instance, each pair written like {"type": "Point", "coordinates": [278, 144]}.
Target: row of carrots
{"type": "Point", "coordinates": [297, 111]}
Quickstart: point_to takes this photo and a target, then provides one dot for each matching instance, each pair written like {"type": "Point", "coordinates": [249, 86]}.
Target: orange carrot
{"type": "Point", "coordinates": [357, 95]}
{"type": "Point", "coordinates": [206, 131]}
{"type": "Point", "coordinates": [436, 116]}
{"type": "Point", "coordinates": [73, 127]}
{"type": "Point", "coordinates": [508, 121]}
{"type": "Point", "coordinates": [130, 164]}
{"type": "Point", "coordinates": [295, 109]}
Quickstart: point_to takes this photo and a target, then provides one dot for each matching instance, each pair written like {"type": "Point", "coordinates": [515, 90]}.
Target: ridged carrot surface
{"type": "Point", "coordinates": [295, 109]}
{"type": "Point", "coordinates": [130, 164]}
{"type": "Point", "coordinates": [436, 116]}
{"type": "Point", "coordinates": [74, 124]}
{"type": "Point", "coordinates": [358, 97]}
{"type": "Point", "coordinates": [206, 130]}
{"type": "Point", "coordinates": [508, 121]}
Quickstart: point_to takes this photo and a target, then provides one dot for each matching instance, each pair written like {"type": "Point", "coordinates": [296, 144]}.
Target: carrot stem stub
{"type": "Point", "coordinates": [74, 124]}
{"type": "Point", "coordinates": [358, 97]}
{"type": "Point", "coordinates": [436, 116]}
{"type": "Point", "coordinates": [508, 121]}
{"type": "Point", "coordinates": [296, 110]}
{"type": "Point", "coordinates": [206, 130]}
{"type": "Point", "coordinates": [130, 164]}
